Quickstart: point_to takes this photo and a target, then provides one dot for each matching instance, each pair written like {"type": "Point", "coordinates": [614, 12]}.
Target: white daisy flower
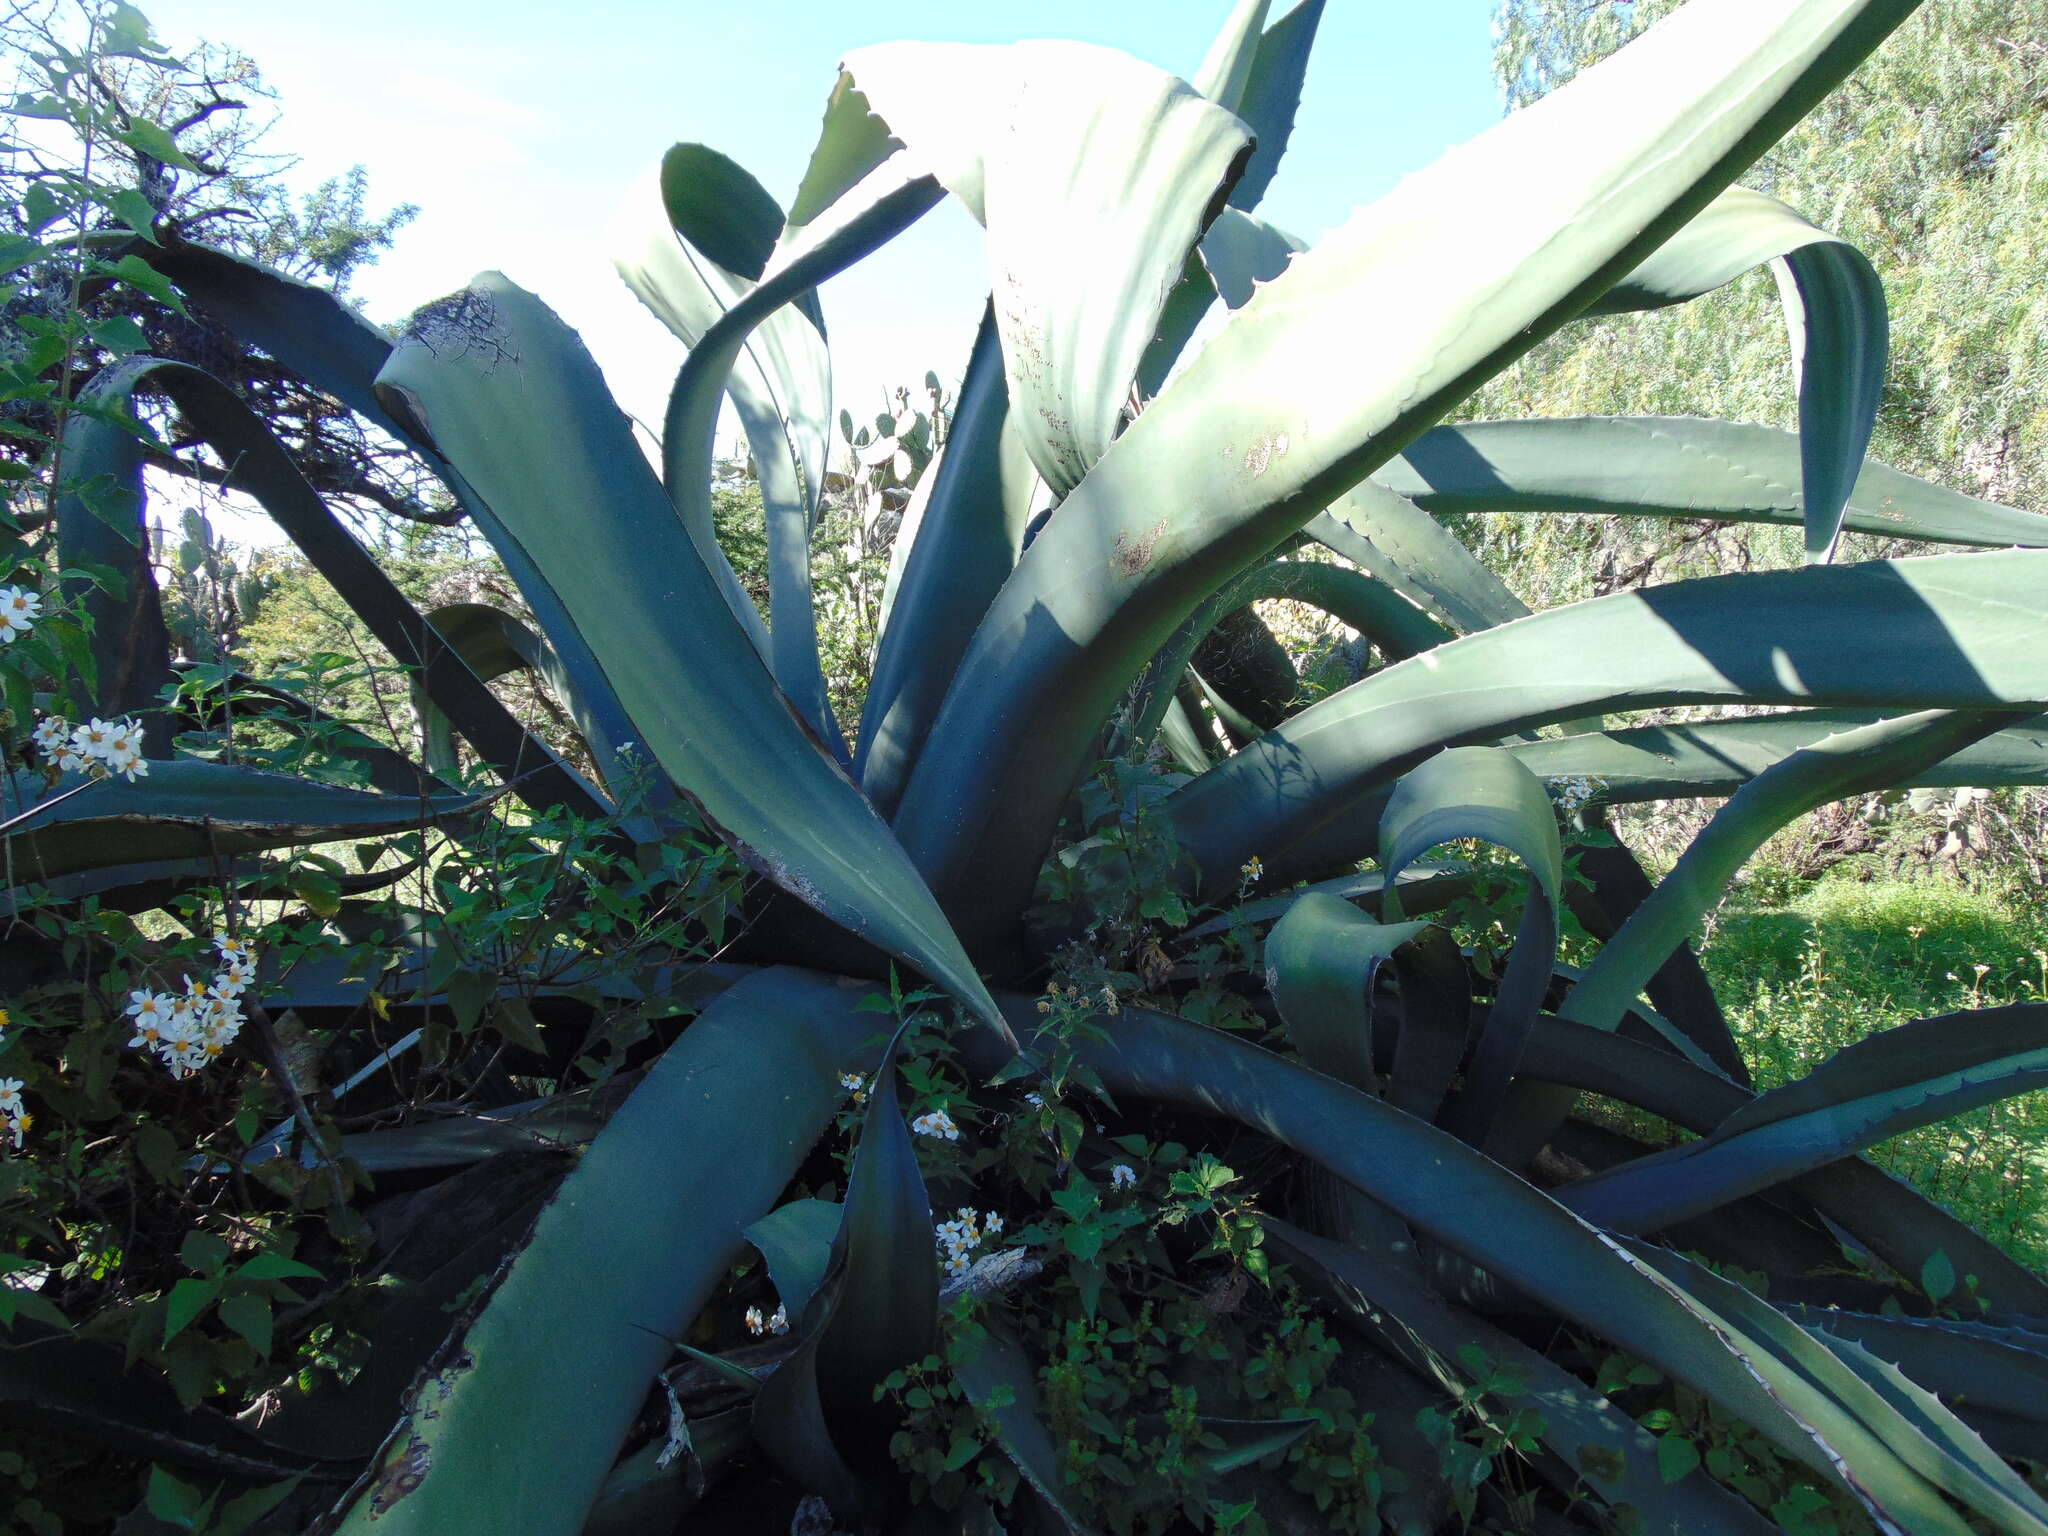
{"type": "Point", "coordinates": [51, 734]}
{"type": "Point", "coordinates": [756, 1323]}
{"type": "Point", "coordinates": [937, 1124]}
{"type": "Point", "coordinates": [10, 1095]}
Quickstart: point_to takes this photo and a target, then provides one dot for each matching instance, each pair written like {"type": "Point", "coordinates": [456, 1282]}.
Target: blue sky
{"type": "Point", "coordinates": [519, 128]}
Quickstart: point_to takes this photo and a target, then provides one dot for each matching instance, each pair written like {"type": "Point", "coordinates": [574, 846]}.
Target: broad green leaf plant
{"type": "Point", "coordinates": [1033, 926]}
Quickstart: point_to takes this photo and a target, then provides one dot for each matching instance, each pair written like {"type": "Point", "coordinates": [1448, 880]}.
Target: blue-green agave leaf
{"type": "Point", "coordinates": [796, 1240]}
{"type": "Point", "coordinates": [517, 1431]}
{"type": "Point", "coordinates": [1891, 1082]}
{"type": "Point", "coordinates": [1133, 158]}
{"type": "Point", "coordinates": [1908, 634]}
{"type": "Point", "coordinates": [1834, 308]}
{"type": "Point", "coordinates": [1586, 1432]}
{"type": "Point", "coordinates": [875, 1312]}
{"type": "Point", "coordinates": [1677, 466]}
{"type": "Point", "coordinates": [508, 391]}
{"type": "Point", "coordinates": [1474, 1207]}
{"type": "Point", "coordinates": [187, 809]}
{"type": "Point", "coordinates": [1482, 792]}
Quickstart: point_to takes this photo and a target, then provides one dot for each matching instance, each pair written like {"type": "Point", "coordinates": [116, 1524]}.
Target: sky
{"type": "Point", "coordinates": [519, 128]}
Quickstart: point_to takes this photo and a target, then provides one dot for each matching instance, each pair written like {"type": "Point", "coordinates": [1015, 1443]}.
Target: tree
{"type": "Point", "coordinates": [129, 151]}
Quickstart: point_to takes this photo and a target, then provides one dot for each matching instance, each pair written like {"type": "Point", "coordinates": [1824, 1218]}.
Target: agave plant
{"type": "Point", "coordinates": [1109, 501]}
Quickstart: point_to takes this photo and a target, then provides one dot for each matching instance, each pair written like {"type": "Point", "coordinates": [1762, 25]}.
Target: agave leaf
{"type": "Point", "coordinates": [1001, 1382]}
{"type": "Point", "coordinates": [971, 506]}
{"type": "Point", "coordinates": [509, 391]}
{"type": "Point", "coordinates": [1443, 282]}
{"type": "Point", "coordinates": [1241, 252]}
{"type": "Point", "coordinates": [701, 241]}
{"type": "Point", "coordinates": [1482, 792]}
{"type": "Point", "coordinates": [1853, 761]}
{"type": "Point", "coordinates": [261, 468]}
{"type": "Point", "coordinates": [189, 810]}
{"type": "Point", "coordinates": [1718, 757]}
{"type": "Point", "coordinates": [1474, 1207]}
{"type": "Point", "coordinates": [51, 1381]}
{"type": "Point", "coordinates": [1228, 64]}
{"type": "Point", "coordinates": [101, 522]}
{"type": "Point", "coordinates": [1424, 889]}
{"type": "Point", "coordinates": [1393, 622]}
{"type": "Point", "coordinates": [1903, 634]}
{"type": "Point", "coordinates": [312, 331]}
{"type": "Point", "coordinates": [1677, 466]}
{"type": "Point", "coordinates": [1834, 308]}
{"type": "Point", "coordinates": [890, 199]}
{"type": "Point", "coordinates": [1923, 1436]}
{"type": "Point", "coordinates": [326, 341]}
{"type": "Point", "coordinates": [1891, 1082]}
{"type": "Point", "coordinates": [1271, 96]}
{"type": "Point", "coordinates": [491, 643]}
{"type": "Point", "coordinates": [1321, 963]}
{"type": "Point", "coordinates": [796, 1240]}
{"type": "Point", "coordinates": [1960, 1452]}
{"type": "Point", "coordinates": [519, 1429]}
{"type": "Point", "coordinates": [1897, 1223]}
{"type": "Point", "coordinates": [1135, 161]}
{"type": "Point", "coordinates": [2000, 1368]}
{"type": "Point", "coordinates": [1575, 1420]}
{"type": "Point", "coordinates": [1383, 533]}
{"type": "Point", "coordinates": [876, 1311]}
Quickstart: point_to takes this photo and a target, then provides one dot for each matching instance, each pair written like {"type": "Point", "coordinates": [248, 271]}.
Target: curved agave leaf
{"type": "Point", "coordinates": [60, 1382]}
{"type": "Point", "coordinates": [709, 248]}
{"type": "Point", "coordinates": [1922, 1435]}
{"type": "Point", "coordinates": [1474, 1207]}
{"type": "Point", "coordinates": [1228, 64]}
{"type": "Point", "coordinates": [1483, 793]}
{"type": "Point", "coordinates": [971, 506]}
{"type": "Point", "coordinates": [1001, 1382]}
{"type": "Point", "coordinates": [1135, 161]}
{"type": "Point", "coordinates": [1423, 890]}
{"type": "Point", "coordinates": [518, 1430]}
{"type": "Point", "coordinates": [1885, 1214]}
{"type": "Point", "coordinates": [1323, 961]}
{"type": "Point", "coordinates": [1992, 1367]}
{"type": "Point", "coordinates": [1443, 282]}
{"type": "Point", "coordinates": [508, 390]}
{"type": "Point", "coordinates": [1850, 762]}
{"type": "Point", "coordinates": [326, 341]}
{"type": "Point", "coordinates": [796, 1239]}
{"type": "Point", "coordinates": [1899, 634]}
{"type": "Point", "coordinates": [1241, 252]}
{"type": "Point", "coordinates": [1834, 308]}
{"type": "Point", "coordinates": [1891, 1082]}
{"type": "Point", "coordinates": [887, 202]}
{"type": "Point", "coordinates": [1677, 466]}
{"type": "Point", "coordinates": [260, 467]}
{"type": "Point", "coordinates": [1580, 1426]}
{"type": "Point", "coordinates": [102, 528]}
{"type": "Point", "coordinates": [1717, 757]}
{"type": "Point", "coordinates": [1271, 96]}
{"type": "Point", "coordinates": [491, 643]}
{"type": "Point", "coordinates": [1390, 537]}
{"type": "Point", "coordinates": [876, 1311]}
{"type": "Point", "coordinates": [189, 810]}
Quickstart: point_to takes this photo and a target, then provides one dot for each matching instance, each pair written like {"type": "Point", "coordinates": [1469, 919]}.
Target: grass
{"type": "Point", "coordinates": [1833, 963]}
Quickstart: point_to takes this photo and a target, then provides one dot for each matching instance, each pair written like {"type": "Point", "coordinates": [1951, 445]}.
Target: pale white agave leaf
{"type": "Point", "coordinates": [1093, 174]}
